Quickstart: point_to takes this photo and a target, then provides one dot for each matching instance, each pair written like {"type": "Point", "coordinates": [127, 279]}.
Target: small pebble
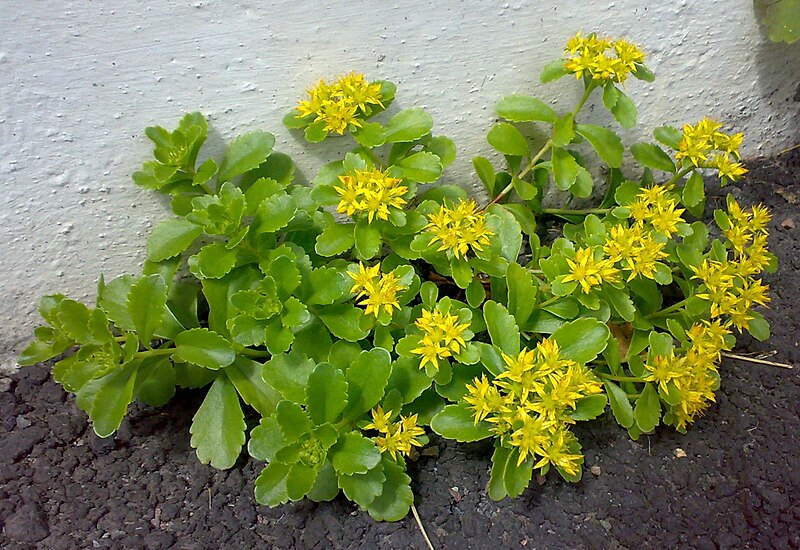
{"type": "Point", "coordinates": [788, 223]}
{"type": "Point", "coordinates": [5, 384]}
{"type": "Point", "coordinates": [680, 453]}
{"type": "Point", "coordinates": [596, 470]}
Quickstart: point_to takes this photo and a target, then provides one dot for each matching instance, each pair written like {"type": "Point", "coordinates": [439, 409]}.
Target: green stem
{"type": "Point", "coordinates": [616, 378]}
{"type": "Point", "coordinates": [546, 147]}
{"type": "Point", "coordinates": [255, 352]}
{"type": "Point", "coordinates": [581, 212]}
{"type": "Point", "coordinates": [155, 352]}
{"type": "Point", "coordinates": [547, 302]}
{"type": "Point", "coordinates": [667, 310]}
{"type": "Point", "coordinates": [678, 175]}
{"type": "Point", "coordinates": [633, 396]}
{"type": "Point", "coordinates": [373, 157]}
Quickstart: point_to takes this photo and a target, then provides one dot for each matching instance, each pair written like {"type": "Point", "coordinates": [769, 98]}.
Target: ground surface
{"type": "Point", "coordinates": [732, 482]}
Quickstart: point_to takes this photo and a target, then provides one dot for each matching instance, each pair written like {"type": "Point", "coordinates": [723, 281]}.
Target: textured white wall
{"type": "Point", "coordinates": [79, 81]}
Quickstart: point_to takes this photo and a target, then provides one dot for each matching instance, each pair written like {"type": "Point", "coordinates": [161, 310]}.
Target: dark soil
{"type": "Point", "coordinates": [732, 482]}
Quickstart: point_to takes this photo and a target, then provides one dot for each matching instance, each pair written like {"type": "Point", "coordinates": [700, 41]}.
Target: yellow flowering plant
{"type": "Point", "coordinates": [353, 314]}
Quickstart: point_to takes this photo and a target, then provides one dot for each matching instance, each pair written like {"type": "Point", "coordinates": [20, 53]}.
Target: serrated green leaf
{"type": "Point", "coordinates": [589, 407]}
{"type": "Point", "coordinates": [648, 409]}
{"type": "Point", "coordinates": [607, 144]}
{"type": "Point", "coordinates": [158, 387]}
{"type": "Point", "coordinates": [266, 439]}
{"type": "Point", "coordinates": [502, 327]}
{"type": "Point", "coordinates": [553, 71]}
{"type": "Point", "coordinates": [620, 404]}
{"type": "Point", "coordinates": [113, 394]}
{"type": "Point", "coordinates": [485, 172]}
{"type": "Point", "coordinates": [326, 486]}
{"type": "Point", "coordinates": [367, 238]}
{"type": "Point", "coordinates": [170, 238]}
{"type": "Point", "coordinates": [457, 422]}
{"type": "Point", "coordinates": [293, 420]}
{"type": "Point", "coordinates": [508, 140]}
{"type": "Point", "coordinates": [422, 167]}
{"type": "Point", "coordinates": [274, 213]}
{"type": "Point", "coordinates": [363, 488]}
{"type": "Point", "coordinates": [521, 293]}
{"type": "Point", "coordinates": [345, 321]}
{"type": "Point", "coordinates": [206, 171]}
{"type": "Point", "coordinates": [524, 108]}
{"type": "Point", "coordinates": [444, 148]}
{"type": "Point", "coordinates": [218, 426]}
{"type": "Point", "coordinates": [270, 486]}
{"type": "Point", "coordinates": [408, 125]}
{"type": "Point", "coordinates": [84, 325]}
{"type": "Point", "coordinates": [396, 497]}
{"type": "Point", "coordinates": [694, 192]}
{"type": "Point", "coordinates": [300, 480]}
{"type": "Point", "coordinates": [366, 381]}
{"type": "Point", "coordinates": [335, 239]}
{"type": "Point", "coordinates": [497, 486]}
{"type": "Point", "coordinates": [563, 130]}
{"type": "Point", "coordinates": [582, 340]}
{"type": "Point", "coordinates": [288, 374]}
{"type": "Point", "coordinates": [669, 136]}
{"type": "Point", "coordinates": [246, 377]}
{"type": "Point", "coordinates": [147, 303]}
{"type": "Point", "coordinates": [653, 156]}
{"type": "Point", "coordinates": [354, 454]}
{"type": "Point", "coordinates": [245, 153]}
{"type": "Point", "coordinates": [624, 110]}
{"type": "Point", "coordinates": [326, 393]}
{"type": "Point", "coordinates": [204, 348]}
{"type": "Point", "coordinates": [565, 168]}
{"type": "Point", "coordinates": [371, 134]}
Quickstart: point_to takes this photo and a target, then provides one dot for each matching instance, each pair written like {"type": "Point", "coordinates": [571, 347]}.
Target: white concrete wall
{"type": "Point", "coordinates": [80, 80]}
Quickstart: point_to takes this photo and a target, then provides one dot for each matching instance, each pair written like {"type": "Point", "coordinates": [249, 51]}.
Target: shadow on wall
{"type": "Point", "coordinates": [779, 61]}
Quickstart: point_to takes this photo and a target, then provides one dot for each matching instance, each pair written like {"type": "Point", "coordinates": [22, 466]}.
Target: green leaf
{"type": "Point", "coordinates": [524, 108]}
{"type": "Point", "coordinates": [620, 301]}
{"type": "Point", "coordinates": [653, 156]}
{"type": "Point", "coordinates": [648, 409]}
{"type": "Point", "coordinates": [624, 110]}
{"type": "Point", "coordinates": [326, 285]}
{"type": "Point", "coordinates": [476, 294]}
{"type": "Point", "coordinates": [345, 321]}
{"type": "Point", "coordinates": [363, 488]}
{"type": "Point", "coordinates": [461, 272]}
{"type": "Point", "coordinates": [366, 381]}
{"type": "Point", "coordinates": [521, 293]}
{"type": "Point", "coordinates": [457, 422]}
{"type": "Point", "coordinates": [669, 136]}
{"type": "Point", "coordinates": [694, 192]}
{"type": "Point", "coordinates": [326, 486]}
{"type": "Point", "coordinates": [517, 476]}
{"type": "Point", "coordinates": [565, 168]}
{"type": "Point", "coordinates": [502, 327]}
{"type": "Point", "coordinates": [205, 172]}
{"type": "Point", "coordinates": [524, 216]}
{"type": "Point", "coordinates": [288, 374]}
{"type": "Point", "coordinates": [204, 348]}
{"type": "Point", "coordinates": [553, 71]}
{"type": "Point", "coordinates": [423, 167]}
{"type": "Point", "coordinates": [607, 144]}
{"type": "Point", "coordinates": [396, 497]}
{"type": "Point", "coordinates": [274, 213]}
{"type": "Point", "coordinates": [408, 125]}
{"type": "Point", "coordinates": [497, 486]}
{"type": "Point", "coordinates": [444, 148]}
{"type": "Point", "coordinates": [170, 238]}
{"type": "Point", "coordinates": [114, 392]}
{"type": "Point", "coordinates": [485, 172]}
{"type": "Point", "coordinates": [354, 454]}
{"type": "Point", "coordinates": [582, 340]}
{"type": "Point", "coordinates": [246, 377]}
{"type": "Point", "coordinates": [218, 426]}
{"type": "Point", "coordinates": [84, 325]}
{"type": "Point", "coordinates": [643, 73]}
{"type": "Point", "coordinates": [214, 261]}
{"type": "Point", "coordinates": [147, 303]}
{"type": "Point", "coordinates": [245, 153]}
{"type": "Point", "coordinates": [563, 130]}
{"type": "Point", "coordinates": [508, 140]}
{"type": "Point", "coordinates": [270, 486]}
{"type": "Point", "coordinates": [326, 393]}
{"type": "Point", "coordinates": [335, 239]}
{"type": "Point", "coordinates": [367, 239]}
{"type": "Point", "coordinates": [589, 407]}
{"type": "Point", "coordinates": [507, 231]}
{"type": "Point", "coordinates": [758, 327]}
{"type": "Point", "coordinates": [266, 439]}
{"type": "Point", "coordinates": [300, 480]}
{"type": "Point", "coordinates": [620, 404]}
{"type": "Point", "coordinates": [610, 95]}
{"type": "Point", "coordinates": [370, 135]}
{"type": "Point", "coordinates": [293, 420]}
{"type": "Point", "coordinates": [781, 17]}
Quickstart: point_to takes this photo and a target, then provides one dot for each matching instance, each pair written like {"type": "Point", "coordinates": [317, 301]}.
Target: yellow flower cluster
{"type": "Point", "coordinates": [345, 102]}
{"type": "Point", "coordinates": [635, 249]}
{"type": "Point", "coordinates": [707, 147]}
{"type": "Point", "coordinates": [397, 437]}
{"type": "Point", "coordinates": [654, 206]}
{"type": "Point", "coordinates": [590, 269]}
{"type": "Point", "coordinates": [370, 191]}
{"type": "Point", "coordinates": [459, 228]}
{"type": "Point", "coordinates": [693, 374]}
{"type": "Point", "coordinates": [603, 59]}
{"type": "Point", "coordinates": [732, 286]}
{"type": "Point", "coordinates": [442, 337]}
{"type": "Point", "coordinates": [379, 291]}
{"type": "Point", "coordinates": [529, 404]}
